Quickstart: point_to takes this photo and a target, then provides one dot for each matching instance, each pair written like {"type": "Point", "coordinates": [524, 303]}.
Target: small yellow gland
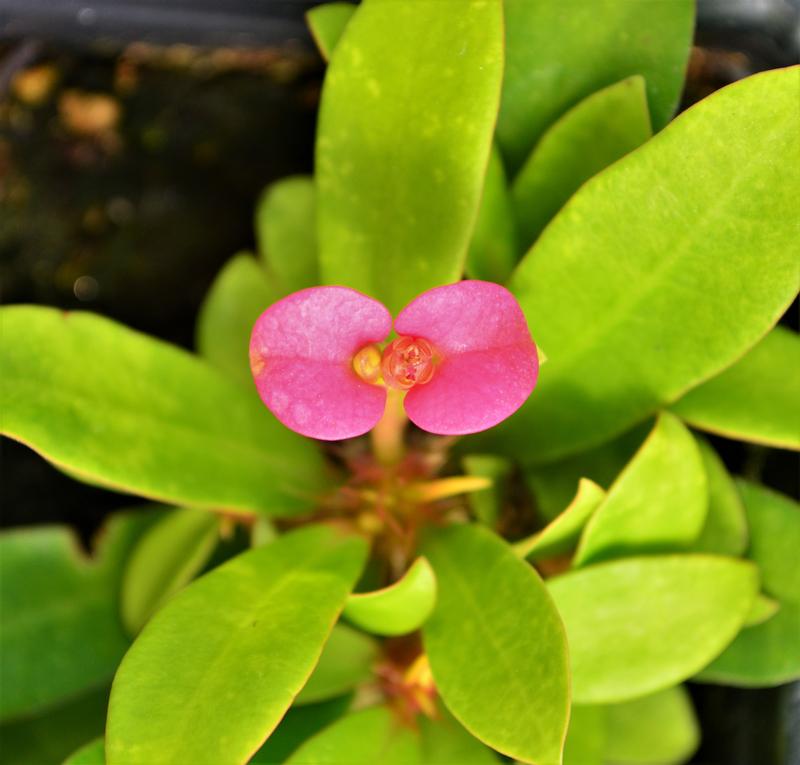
{"type": "Point", "coordinates": [367, 364]}
{"type": "Point", "coordinates": [408, 361]}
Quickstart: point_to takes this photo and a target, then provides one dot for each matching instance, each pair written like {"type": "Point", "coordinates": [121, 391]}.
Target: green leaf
{"type": "Point", "coordinates": [168, 556]}
{"type": "Point", "coordinates": [54, 735]}
{"type": "Point", "coordinates": [398, 609]}
{"type": "Point", "coordinates": [586, 737]}
{"type": "Point", "coordinates": [591, 136]}
{"type": "Point", "coordinates": [487, 504]}
{"type": "Point", "coordinates": [659, 729]}
{"type": "Point", "coordinates": [561, 534]}
{"type": "Point", "coordinates": [401, 159]}
{"type": "Point", "coordinates": [768, 653]}
{"type": "Point", "coordinates": [286, 233]}
{"type": "Point", "coordinates": [60, 633]}
{"type": "Point", "coordinates": [445, 742]}
{"type": "Point", "coordinates": [493, 250]}
{"type": "Point", "coordinates": [496, 645]}
{"type": "Point", "coordinates": [763, 608]}
{"type": "Point", "coordinates": [554, 59]}
{"type": "Point", "coordinates": [657, 504]}
{"type": "Point", "coordinates": [640, 625]}
{"type": "Point", "coordinates": [555, 485]}
{"type": "Point", "coordinates": [327, 23]}
{"type": "Point", "coordinates": [652, 278]}
{"type": "Point", "coordinates": [132, 413]}
{"type": "Point", "coordinates": [725, 528]}
{"type": "Point", "coordinates": [256, 627]}
{"type": "Point", "coordinates": [238, 296]}
{"type": "Point", "coordinates": [757, 399]}
{"type": "Point", "coordinates": [346, 661]}
{"type": "Point", "coordinates": [93, 753]}
{"type": "Point", "coordinates": [362, 738]}
{"type": "Point", "coordinates": [299, 725]}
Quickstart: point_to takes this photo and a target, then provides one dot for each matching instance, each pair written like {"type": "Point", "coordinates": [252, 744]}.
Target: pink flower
{"type": "Point", "coordinates": [463, 355]}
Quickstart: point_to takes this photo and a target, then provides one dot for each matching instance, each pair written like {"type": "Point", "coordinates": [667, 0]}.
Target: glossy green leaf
{"type": "Point", "coordinates": [264, 617]}
{"type": "Point", "coordinates": [659, 729]}
{"type": "Point", "coordinates": [652, 278]}
{"type": "Point", "coordinates": [50, 737]}
{"type": "Point", "coordinates": [586, 737]}
{"type": "Point", "coordinates": [555, 485]}
{"type": "Point", "coordinates": [327, 23]}
{"type": "Point", "coordinates": [561, 534]}
{"type": "Point", "coordinates": [366, 737]}
{"type": "Point", "coordinates": [487, 504]}
{"type": "Point", "coordinates": [556, 56]}
{"type": "Point", "coordinates": [129, 412]}
{"type": "Point", "coordinates": [657, 504]}
{"type": "Point", "coordinates": [493, 250]}
{"type": "Point", "coordinates": [286, 233]}
{"type": "Point", "coordinates": [496, 645]}
{"type": "Point", "coordinates": [757, 399]}
{"type": "Point", "coordinates": [769, 653]}
{"type": "Point", "coordinates": [60, 633]}
{"type": "Point", "coordinates": [591, 136]}
{"type": "Point", "coordinates": [639, 625]}
{"type": "Point", "coordinates": [93, 753]}
{"type": "Point", "coordinates": [398, 609]}
{"type": "Point", "coordinates": [346, 661]}
{"type": "Point", "coordinates": [401, 159]}
{"type": "Point", "coordinates": [299, 725]}
{"type": "Point", "coordinates": [168, 556]}
{"type": "Point", "coordinates": [238, 296]}
{"type": "Point", "coordinates": [725, 529]}
{"type": "Point", "coordinates": [763, 608]}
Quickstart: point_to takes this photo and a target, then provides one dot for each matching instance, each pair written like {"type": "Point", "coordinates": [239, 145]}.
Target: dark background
{"type": "Point", "coordinates": [135, 137]}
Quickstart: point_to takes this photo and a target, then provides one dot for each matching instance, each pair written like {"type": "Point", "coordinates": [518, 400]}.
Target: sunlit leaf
{"type": "Point", "coordinates": [557, 55]}
{"type": "Point", "coordinates": [588, 138]}
{"type": "Point", "coordinates": [496, 645]}
{"type": "Point", "coordinates": [167, 557]}
{"type": "Point", "coordinates": [396, 610]}
{"type": "Point", "coordinates": [346, 661]}
{"type": "Point", "coordinates": [652, 278]}
{"type": "Point", "coordinates": [493, 250]}
{"type": "Point", "coordinates": [60, 632]}
{"type": "Point", "coordinates": [238, 296]}
{"type": "Point", "coordinates": [396, 212]}
{"type": "Point", "coordinates": [286, 233]}
{"type": "Point", "coordinates": [757, 399]}
{"type": "Point", "coordinates": [327, 22]}
{"type": "Point", "coordinates": [768, 653]}
{"type": "Point", "coordinates": [657, 504]}
{"type": "Point", "coordinates": [639, 625]}
{"type": "Point", "coordinates": [562, 533]}
{"type": "Point", "coordinates": [129, 412]}
{"type": "Point", "coordinates": [444, 741]}
{"type": "Point", "coordinates": [255, 628]}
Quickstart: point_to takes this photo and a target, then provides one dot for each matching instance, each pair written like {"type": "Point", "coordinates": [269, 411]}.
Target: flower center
{"type": "Point", "coordinates": [408, 361]}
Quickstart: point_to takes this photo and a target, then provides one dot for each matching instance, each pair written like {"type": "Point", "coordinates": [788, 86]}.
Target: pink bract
{"type": "Point", "coordinates": [301, 354]}
{"type": "Point", "coordinates": [484, 362]}
{"type": "Point", "coordinates": [489, 362]}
